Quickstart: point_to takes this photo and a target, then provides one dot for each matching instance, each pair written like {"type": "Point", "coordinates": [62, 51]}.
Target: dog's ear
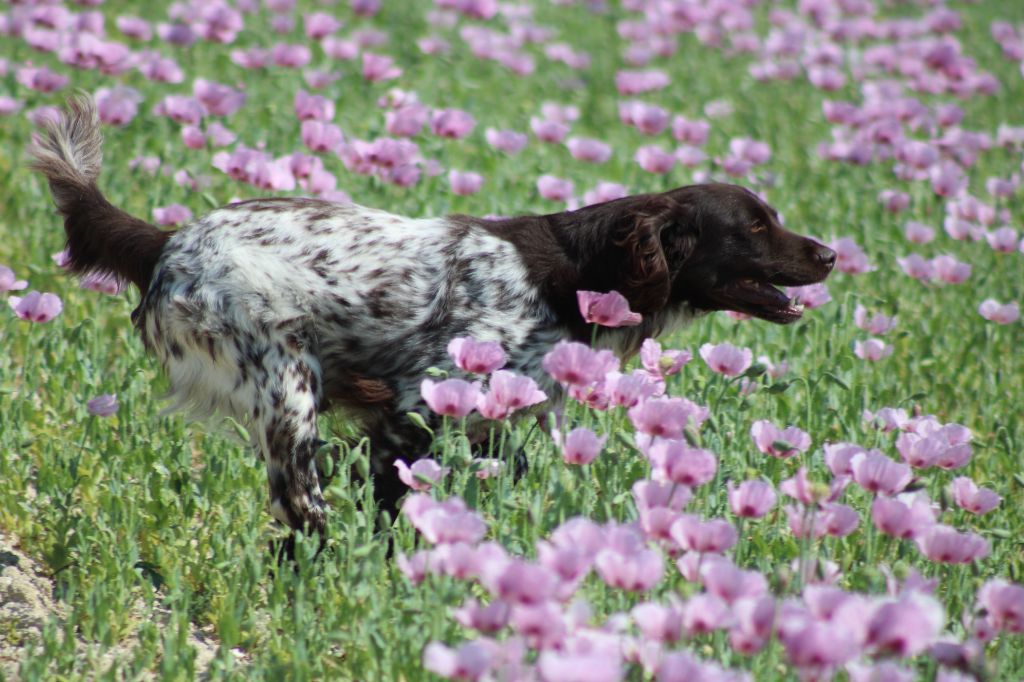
{"type": "Point", "coordinates": [654, 246]}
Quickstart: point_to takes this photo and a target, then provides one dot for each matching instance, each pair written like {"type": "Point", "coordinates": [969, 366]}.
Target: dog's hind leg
{"type": "Point", "coordinates": [285, 429]}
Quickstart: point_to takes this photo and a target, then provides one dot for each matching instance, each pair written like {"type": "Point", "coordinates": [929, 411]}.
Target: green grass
{"type": "Point", "coordinates": [150, 527]}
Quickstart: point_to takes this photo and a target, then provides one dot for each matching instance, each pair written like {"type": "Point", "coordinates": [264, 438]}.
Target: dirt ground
{"type": "Point", "coordinates": [26, 604]}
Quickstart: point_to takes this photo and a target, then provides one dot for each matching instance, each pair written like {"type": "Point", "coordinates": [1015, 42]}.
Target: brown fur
{"type": "Point", "coordinates": [100, 237]}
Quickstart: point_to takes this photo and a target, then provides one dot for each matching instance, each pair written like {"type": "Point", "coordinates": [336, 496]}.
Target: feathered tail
{"type": "Point", "coordinates": [101, 237]}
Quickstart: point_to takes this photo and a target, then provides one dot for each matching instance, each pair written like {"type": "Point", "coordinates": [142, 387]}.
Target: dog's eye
{"type": "Point", "coordinates": [758, 227]}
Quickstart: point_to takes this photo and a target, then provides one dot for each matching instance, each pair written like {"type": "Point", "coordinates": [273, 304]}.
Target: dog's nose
{"type": "Point", "coordinates": [825, 255]}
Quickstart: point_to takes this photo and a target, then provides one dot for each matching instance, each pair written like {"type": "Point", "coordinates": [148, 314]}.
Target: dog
{"type": "Point", "coordinates": [272, 311]}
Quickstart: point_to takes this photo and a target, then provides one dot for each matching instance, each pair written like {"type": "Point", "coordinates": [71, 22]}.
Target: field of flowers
{"type": "Point", "coordinates": [835, 498]}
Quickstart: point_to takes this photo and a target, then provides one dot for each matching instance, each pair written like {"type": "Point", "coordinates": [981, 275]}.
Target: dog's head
{"type": "Point", "coordinates": [713, 247]}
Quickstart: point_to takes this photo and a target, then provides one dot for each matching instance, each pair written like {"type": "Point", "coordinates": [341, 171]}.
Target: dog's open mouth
{"type": "Point", "coordinates": [758, 299]}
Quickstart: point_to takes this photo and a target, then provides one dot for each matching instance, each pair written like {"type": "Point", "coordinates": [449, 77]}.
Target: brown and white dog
{"type": "Point", "coordinates": [272, 311]}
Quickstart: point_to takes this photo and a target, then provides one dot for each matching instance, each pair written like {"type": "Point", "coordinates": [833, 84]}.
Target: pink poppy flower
{"type": "Point", "coordinates": [487, 619]}
{"type": "Point", "coordinates": [754, 618]}
{"type": "Point", "coordinates": [193, 137]}
{"type": "Point", "coordinates": [667, 417]}
{"type": "Point", "coordinates": [658, 622]}
{"type": "Point", "coordinates": [508, 141]}
{"type": "Point", "coordinates": [451, 123]}
{"type": "Point", "coordinates": [407, 120]}
{"type": "Point", "coordinates": [378, 68]}
{"type": "Point", "coordinates": [736, 166]}
{"type": "Point", "coordinates": [944, 544]}
{"type": "Point", "coordinates": [687, 132]}
{"type": "Point", "coordinates": [917, 267]}
{"type": "Point", "coordinates": [838, 520]}
{"type": "Point", "coordinates": [676, 461]}
{"type": "Point", "coordinates": [662, 363]}
{"type": "Point", "coordinates": [970, 497]}
{"type": "Point", "coordinates": [451, 397]}
{"type": "Point", "coordinates": [1004, 603]}
{"type": "Point", "coordinates": [876, 473]}
{"type": "Point", "coordinates": [905, 627]}
{"type": "Point", "coordinates": [134, 27]}
{"type": "Point", "coordinates": [175, 214]}
{"type": "Point", "coordinates": [219, 100]}
{"type": "Point", "coordinates": [751, 499]}
{"type": "Point", "coordinates": [102, 405]}
{"type": "Point", "coordinates": [339, 48]}
{"type": "Point", "coordinates": [469, 662]}
{"type": "Point", "coordinates": [626, 564]}
{"type": "Point", "coordinates": [312, 107]}
{"type": "Point", "coordinates": [690, 157]}
{"type": "Point", "coordinates": [729, 583]}
{"type": "Point", "coordinates": [1001, 187]}
{"type": "Point", "coordinates": [555, 189]}
{"type": "Point", "coordinates": [712, 536]}
{"type": "Point", "coordinates": [787, 442]}
{"type": "Point", "coordinates": [838, 457]}
{"type": "Point", "coordinates": [9, 105]}
{"type": "Point", "coordinates": [604, 191]}
{"type": "Point", "coordinates": [181, 109]}
{"type": "Point", "coordinates": [414, 568]}
{"type": "Point", "coordinates": [894, 201]}
{"type": "Point", "coordinates": [801, 489]}
{"type": "Point", "coordinates": [548, 130]}
{"type": "Point", "coordinates": [948, 180]}
{"type": "Point", "coordinates": [921, 452]}
{"type": "Point", "coordinates": [465, 183]}
{"type": "Point", "coordinates": [320, 25]}
{"type": "Point", "coordinates": [949, 270]}
{"type": "Point", "coordinates": [577, 364]}
{"type": "Point", "coordinates": [321, 136]}
{"type": "Point", "coordinates": [588, 149]}
{"type": "Point", "coordinates": [424, 474]}
{"type": "Point", "coordinates": [753, 151]}
{"type": "Point", "coordinates": [478, 357]}
{"type": "Point", "coordinates": [443, 522]}
{"type": "Point", "coordinates": [508, 393]}
{"type": "Point", "coordinates": [40, 78]}
{"type": "Point", "coordinates": [105, 283]}
{"type": "Point", "coordinates": [607, 310]}
{"type": "Point", "coordinates": [654, 159]}
{"type": "Point", "coordinates": [36, 307]}
{"type": "Point", "coordinates": [826, 78]}
{"type": "Point", "coordinates": [812, 295]}
{"type": "Point", "coordinates": [872, 349]}
{"type": "Point", "coordinates": [580, 446]}
{"type": "Point", "coordinates": [888, 418]}
{"type": "Point", "coordinates": [877, 324]}
{"type": "Point", "coordinates": [290, 56]}
{"type": "Point", "coordinates": [8, 281]}
{"type": "Point", "coordinates": [703, 614]}
{"type": "Point", "coordinates": [647, 118]}
{"type": "Point", "coordinates": [727, 359]}
{"type": "Point", "coordinates": [117, 106]}
{"type": "Point", "coordinates": [918, 233]}
{"type": "Point", "coordinates": [636, 82]}
{"type": "Point", "coordinates": [1003, 239]}
{"type": "Point", "coordinates": [650, 494]}
{"type": "Point", "coordinates": [1000, 313]}
{"type": "Point", "coordinates": [850, 257]}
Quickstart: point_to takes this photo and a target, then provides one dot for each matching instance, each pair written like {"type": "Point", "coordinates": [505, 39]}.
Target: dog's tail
{"type": "Point", "coordinates": [101, 237]}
